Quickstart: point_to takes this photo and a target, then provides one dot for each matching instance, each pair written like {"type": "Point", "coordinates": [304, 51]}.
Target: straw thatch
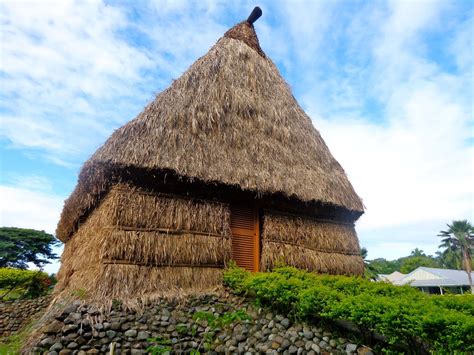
{"type": "Point", "coordinates": [308, 243]}
{"type": "Point", "coordinates": [274, 254]}
{"type": "Point", "coordinates": [138, 243]}
{"type": "Point", "coordinates": [230, 119]}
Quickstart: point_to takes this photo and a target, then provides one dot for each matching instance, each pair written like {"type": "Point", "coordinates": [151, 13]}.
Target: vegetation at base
{"type": "Point", "coordinates": [405, 317]}
{"type": "Point", "coordinates": [16, 283]}
{"type": "Point", "coordinates": [19, 246]}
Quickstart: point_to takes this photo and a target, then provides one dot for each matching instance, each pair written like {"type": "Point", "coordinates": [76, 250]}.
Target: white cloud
{"type": "Point", "coordinates": [27, 208]}
{"type": "Point", "coordinates": [63, 65]}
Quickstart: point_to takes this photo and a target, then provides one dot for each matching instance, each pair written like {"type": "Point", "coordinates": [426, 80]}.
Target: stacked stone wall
{"type": "Point", "coordinates": [14, 315]}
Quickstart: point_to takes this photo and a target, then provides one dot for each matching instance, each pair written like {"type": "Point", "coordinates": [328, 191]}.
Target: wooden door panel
{"type": "Point", "coordinates": [245, 242]}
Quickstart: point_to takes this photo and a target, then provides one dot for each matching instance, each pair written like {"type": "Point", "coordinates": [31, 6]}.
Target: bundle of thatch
{"type": "Point", "coordinates": [228, 125]}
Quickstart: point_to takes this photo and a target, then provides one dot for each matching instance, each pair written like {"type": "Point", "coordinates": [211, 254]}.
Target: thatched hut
{"type": "Point", "coordinates": [222, 165]}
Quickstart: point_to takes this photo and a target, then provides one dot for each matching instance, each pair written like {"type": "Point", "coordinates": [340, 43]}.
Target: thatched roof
{"type": "Point", "coordinates": [229, 119]}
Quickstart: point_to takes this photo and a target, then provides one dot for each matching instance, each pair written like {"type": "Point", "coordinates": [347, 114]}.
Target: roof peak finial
{"type": "Point", "coordinates": [255, 15]}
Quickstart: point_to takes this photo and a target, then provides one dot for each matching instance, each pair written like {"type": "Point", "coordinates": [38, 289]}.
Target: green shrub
{"type": "Point", "coordinates": [23, 283]}
{"type": "Point", "coordinates": [401, 314]}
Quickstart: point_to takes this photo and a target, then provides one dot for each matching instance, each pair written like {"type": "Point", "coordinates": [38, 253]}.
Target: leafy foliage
{"type": "Point", "coordinates": [403, 315]}
{"type": "Point", "coordinates": [459, 243]}
{"type": "Point", "coordinates": [412, 262]}
{"type": "Point", "coordinates": [23, 283]}
{"type": "Point", "coordinates": [18, 247]}
{"type": "Point", "coordinates": [161, 346]}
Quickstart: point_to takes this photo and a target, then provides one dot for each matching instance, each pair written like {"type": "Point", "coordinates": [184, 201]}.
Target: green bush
{"type": "Point", "coordinates": [401, 314]}
{"type": "Point", "coordinates": [23, 283]}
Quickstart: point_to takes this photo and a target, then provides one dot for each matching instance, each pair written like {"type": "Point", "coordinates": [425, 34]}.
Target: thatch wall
{"type": "Point", "coordinates": [307, 243]}
{"type": "Point", "coordinates": [137, 244]}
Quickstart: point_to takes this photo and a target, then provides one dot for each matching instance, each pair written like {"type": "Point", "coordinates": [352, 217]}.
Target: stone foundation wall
{"type": "Point", "coordinates": [14, 315]}
{"type": "Point", "coordinates": [82, 329]}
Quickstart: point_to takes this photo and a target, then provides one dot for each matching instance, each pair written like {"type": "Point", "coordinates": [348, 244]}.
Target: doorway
{"type": "Point", "coordinates": [244, 225]}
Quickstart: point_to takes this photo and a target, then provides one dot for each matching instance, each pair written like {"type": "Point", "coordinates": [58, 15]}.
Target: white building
{"type": "Point", "coordinates": [433, 280]}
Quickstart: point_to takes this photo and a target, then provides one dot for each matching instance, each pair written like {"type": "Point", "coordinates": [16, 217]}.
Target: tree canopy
{"type": "Point", "coordinates": [19, 246]}
{"type": "Point", "coordinates": [458, 240]}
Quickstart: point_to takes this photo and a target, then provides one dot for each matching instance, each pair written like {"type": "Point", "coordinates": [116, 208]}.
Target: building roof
{"type": "Point", "coordinates": [430, 277]}
{"type": "Point", "coordinates": [394, 276]}
{"type": "Point", "coordinates": [229, 119]}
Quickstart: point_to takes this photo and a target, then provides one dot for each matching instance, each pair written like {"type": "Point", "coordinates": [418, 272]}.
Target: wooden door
{"type": "Point", "coordinates": [245, 237]}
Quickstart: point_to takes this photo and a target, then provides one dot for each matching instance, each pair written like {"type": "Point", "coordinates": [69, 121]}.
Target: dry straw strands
{"type": "Point", "coordinates": [131, 207]}
{"type": "Point", "coordinates": [310, 233]}
{"type": "Point", "coordinates": [106, 260]}
{"type": "Point", "coordinates": [231, 109]}
{"type": "Point", "coordinates": [159, 249]}
{"type": "Point", "coordinates": [332, 263]}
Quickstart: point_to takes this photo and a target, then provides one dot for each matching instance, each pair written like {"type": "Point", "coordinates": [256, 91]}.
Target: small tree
{"type": "Point", "coordinates": [460, 238]}
{"type": "Point", "coordinates": [19, 246]}
{"type": "Point", "coordinates": [369, 272]}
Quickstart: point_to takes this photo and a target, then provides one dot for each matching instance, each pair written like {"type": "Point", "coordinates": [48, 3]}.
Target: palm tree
{"type": "Point", "coordinates": [459, 238]}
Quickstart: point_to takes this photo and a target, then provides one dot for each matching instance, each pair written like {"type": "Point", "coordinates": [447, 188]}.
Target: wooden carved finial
{"type": "Point", "coordinates": [255, 15]}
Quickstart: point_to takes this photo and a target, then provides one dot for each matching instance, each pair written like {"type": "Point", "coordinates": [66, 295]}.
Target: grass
{"type": "Point", "coordinates": [12, 344]}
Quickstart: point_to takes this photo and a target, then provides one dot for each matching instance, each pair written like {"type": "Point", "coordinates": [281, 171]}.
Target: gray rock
{"type": "Point", "coordinates": [131, 333]}
{"type": "Point", "coordinates": [308, 345]}
{"type": "Point", "coordinates": [271, 324]}
{"type": "Point", "coordinates": [142, 335]}
{"type": "Point", "coordinates": [299, 343]}
{"type": "Point", "coordinates": [53, 328]}
{"type": "Point", "coordinates": [46, 342]}
{"type": "Point", "coordinates": [53, 353]}
{"type": "Point", "coordinates": [111, 334]}
{"type": "Point", "coordinates": [75, 316]}
{"type": "Point", "coordinates": [70, 309]}
{"type": "Point", "coordinates": [285, 322]}
{"type": "Point", "coordinates": [316, 348]}
{"type": "Point", "coordinates": [258, 334]}
{"type": "Point", "coordinates": [98, 326]}
{"type": "Point", "coordinates": [72, 345]}
{"type": "Point", "coordinates": [115, 325]}
{"type": "Point", "coordinates": [285, 344]}
{"type": "Point", "coordinates": [350, 348]}
{"type": "Point", "coordinates": [56, 347]}
{"type": "Point", "coordinates": [165, 312]}
{"type": "Point", "coordinates": [308, 334]}
{"type": "Point", "coordinates": [323, 344]}
{"type": "Point", "coordinates": [332, 343]}
{"type": "Point", "coordinates": [292, 349]}
{"type": "Point", "coordinates": [69, 328]}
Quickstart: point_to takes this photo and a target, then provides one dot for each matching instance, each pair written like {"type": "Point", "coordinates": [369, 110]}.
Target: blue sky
{"type": "Point", "coordinates": [389, 84]}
